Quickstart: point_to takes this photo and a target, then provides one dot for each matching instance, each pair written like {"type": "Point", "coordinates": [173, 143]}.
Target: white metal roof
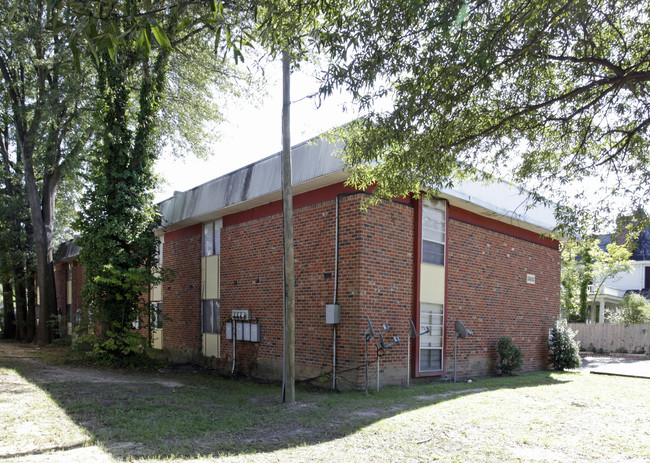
{"type": "Point", "coordinates": [315, 165]}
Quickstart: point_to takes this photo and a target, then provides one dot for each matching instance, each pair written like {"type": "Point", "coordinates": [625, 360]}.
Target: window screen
{"type": "Point", "coordinates": [156, 315]}
{"type": "Point", "coordinates": [159, 253]}
{"type": "Point", "coordinates": [212, 238]}
{"type": "Point", "coordinates": [211, 316]}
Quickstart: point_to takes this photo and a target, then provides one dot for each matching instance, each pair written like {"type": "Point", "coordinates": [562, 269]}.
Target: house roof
{"type": "Point", "coordinates": [66, 252]}
{"type": "Point", "coordinates": [315, 165]}
{"type": "Point", "coordinates": [641, 250]}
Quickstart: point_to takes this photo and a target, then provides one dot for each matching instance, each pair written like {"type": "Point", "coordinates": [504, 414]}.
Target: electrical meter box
{"type": "Point", "coordinates": [332, 314]}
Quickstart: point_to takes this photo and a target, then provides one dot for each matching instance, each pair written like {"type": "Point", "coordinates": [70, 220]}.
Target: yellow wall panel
{"type": "Point", "coordinates": [211, 345]}
{"type": "Point", "coordinates": [432, 283]}
{"type": "Point", "coordinates": [69, 292]}
{"type": "Point", "coordinates": [157, 339]}
{"type": "Point", "coordinates": [210, 277]}
{"type": "Point", "coordinates": [156, 291]}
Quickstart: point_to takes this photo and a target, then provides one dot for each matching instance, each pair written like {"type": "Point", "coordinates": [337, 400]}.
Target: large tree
{"type": "Point", "coordinates": [156, 77]}
{"type": "Point", "coordinates": [548, 93]}
{"type": "Point", "coordinates": [49, 125]}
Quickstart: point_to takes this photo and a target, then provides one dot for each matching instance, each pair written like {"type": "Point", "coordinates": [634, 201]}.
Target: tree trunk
{"type": "Point", "coordinates": [31, 306]}
{"type": "Point", "coordinates": [42, 220]}
{"type": "Point", "coordinates": [21, 304]}
{"type": "Point", "coordinates": [289, 394]}
{"type": "Point", "coordinates": [9, 328]}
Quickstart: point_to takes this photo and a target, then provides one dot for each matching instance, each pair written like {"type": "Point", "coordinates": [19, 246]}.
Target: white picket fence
{"type": "Point", "coordinates": [634, 339]}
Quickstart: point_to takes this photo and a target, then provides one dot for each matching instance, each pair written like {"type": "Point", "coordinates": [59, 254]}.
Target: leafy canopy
{"type": "Point", "coordinates": [548, 93]}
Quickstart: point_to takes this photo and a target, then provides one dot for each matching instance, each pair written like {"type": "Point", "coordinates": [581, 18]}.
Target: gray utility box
{"type": "Point", "coordinates": [332, 314]}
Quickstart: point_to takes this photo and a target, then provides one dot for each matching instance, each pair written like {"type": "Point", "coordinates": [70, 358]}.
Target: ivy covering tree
{"type": "Point", "coordinates": [547, 93]}
{"type": "Point", "coordinates": [139, 50]}
{"type": "Point", "coordinates": [117, 224]}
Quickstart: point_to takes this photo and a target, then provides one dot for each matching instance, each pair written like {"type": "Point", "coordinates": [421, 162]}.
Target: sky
{"type": "Point", "coordinates": [252, 131]}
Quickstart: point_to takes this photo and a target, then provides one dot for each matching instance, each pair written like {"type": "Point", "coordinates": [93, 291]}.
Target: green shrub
{"type": "Point", "coordinates": [121, 347]}
{"type": "Point", "coordinates": [564, 348]}
{"type": "Point", "coordinates": [634, 308]}
{"type": "Point", "coordinates": [511, 357]}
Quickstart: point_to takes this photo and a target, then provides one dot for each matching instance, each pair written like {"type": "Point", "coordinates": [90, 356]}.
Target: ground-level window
{"type": "Point", "coordinates": [431, 317]}
{"type": "Point", "coordinates": [647, 278]}
{"type": "Point", "coordinates": [211, 316]}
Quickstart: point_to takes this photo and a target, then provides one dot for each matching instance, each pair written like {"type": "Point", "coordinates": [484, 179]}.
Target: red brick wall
{"type": "Point", "coordinates": [61, 282]}
{"type": "Point", "coordinates": [181, 299]}
{"type": "Point", "coordinates": [486, 289]}
{"type": "Point", "coordinates": [78, 278]}
{"type": "Point", "coordinates": [488, 292]}
{"type": "Point", "coordinates": [375, 279]}
{"type": "Point", "coordinates": [61, 294]}
{"type": "Point", "coordinates": [386, 283]}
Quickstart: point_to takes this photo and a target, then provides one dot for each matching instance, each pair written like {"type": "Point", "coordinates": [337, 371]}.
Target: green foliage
{"type": "Point", "coordinates": [563, 347]}
{"type": "Point", "coordinates": [511, 357]}
{"type": "Point", "coordinates": [117, 224]}
{"type": "Point", "coordinates": [584, 263]}
{"type": "Point", "coordinates": [119, 347]}
{"type": "Point", "coordinates": [634, 308]}
{"type": "Point", "coordinates": [547, 94]}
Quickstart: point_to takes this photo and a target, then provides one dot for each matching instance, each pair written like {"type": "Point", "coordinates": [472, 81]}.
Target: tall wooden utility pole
{"type": "Point", "coordinates": [289, 392]}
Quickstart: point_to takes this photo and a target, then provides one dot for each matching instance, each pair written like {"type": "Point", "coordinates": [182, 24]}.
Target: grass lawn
{"type": "Point", "coordinates": [49, 411]}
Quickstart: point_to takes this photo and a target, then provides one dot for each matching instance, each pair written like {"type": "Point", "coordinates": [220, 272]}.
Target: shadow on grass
{"type": "Point", "coordinates": [187, 415]}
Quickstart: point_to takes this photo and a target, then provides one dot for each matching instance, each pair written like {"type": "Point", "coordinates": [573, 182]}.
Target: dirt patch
{"type": "Point", "coordinates": [43, 373]}
{"type": "Point", "coordinates": [445, 395]}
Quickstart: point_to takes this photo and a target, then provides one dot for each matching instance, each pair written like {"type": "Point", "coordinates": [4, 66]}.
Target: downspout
{"type": "Point", "coordinates": [284, 337]}
{"type": "Point", "coordinates": [336, 281]}
{"type": "Point", "coordinates": [234, 345]}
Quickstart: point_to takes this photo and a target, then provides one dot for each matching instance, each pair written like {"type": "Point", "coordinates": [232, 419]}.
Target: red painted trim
{"type": "Point", "coordinates": [445, 307]}
{"type": "Point", "coordinates": [309, 198]}
{"type": "Point", "coordinates": [417, 261]}
{"type": "Point", "coordinates": [471, 218]}
{"type": "Point", "coordinates": [183, 233]}
{"type": "Point", "coordinates": [418, 253]}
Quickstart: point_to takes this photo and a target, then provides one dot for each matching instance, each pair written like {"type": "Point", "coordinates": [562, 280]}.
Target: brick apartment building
{"type": "Point", "coordinates": [475, 254]}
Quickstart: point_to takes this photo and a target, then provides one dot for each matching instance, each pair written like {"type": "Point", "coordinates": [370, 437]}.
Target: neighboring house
{"type": "Point", "coordinates": [475, 254]}
{"type": "Point", "coordinates": [614, 288]}
{"type": "Point", "coordinates": [68, 279]}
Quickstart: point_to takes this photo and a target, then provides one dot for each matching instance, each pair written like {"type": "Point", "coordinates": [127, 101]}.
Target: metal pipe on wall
{"type": "Point", "coordinates": [336, 287]}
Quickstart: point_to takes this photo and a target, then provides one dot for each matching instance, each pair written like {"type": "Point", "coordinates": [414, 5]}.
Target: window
{"type": "Point", "coordinates": [156, 315]}
{"type": "Point", "coordinates": [432, 317]}
{"type": "Point", "coordinates": [210, 316]}
{"type": "Point", "coordinates": [433, 232]}
{"type": "Point", "coordinates": [212, 238]}
{"type": "Point", "coordinates": [158, 258]}
{"type": "Point", "coordinates": [646, 284]}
